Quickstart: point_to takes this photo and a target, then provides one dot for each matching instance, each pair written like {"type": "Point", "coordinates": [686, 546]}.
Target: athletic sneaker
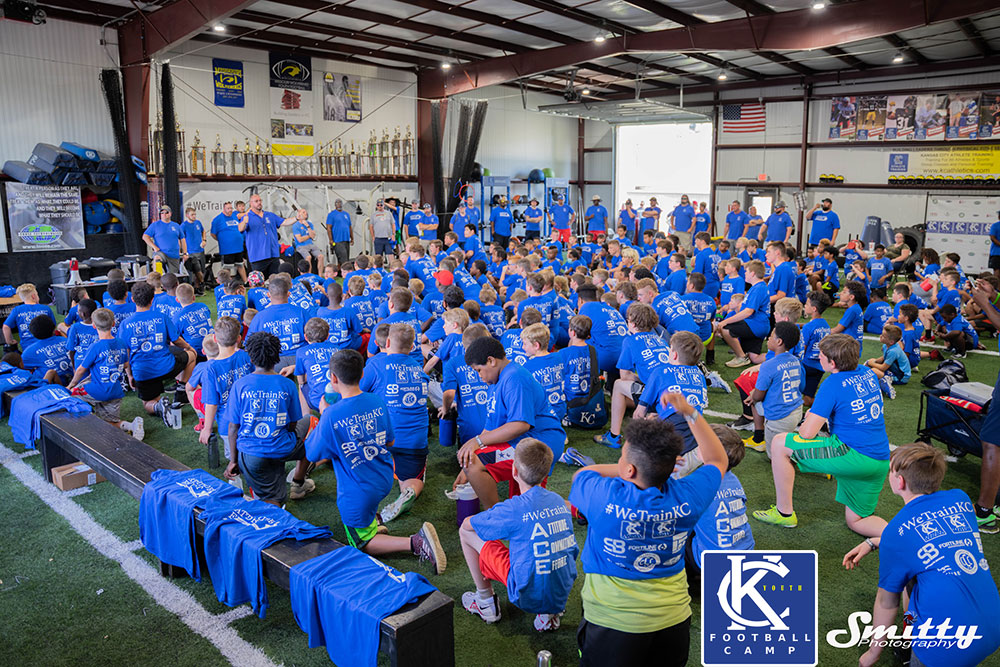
{"type": "Point", "coordinates": [489, 611]}
{"type": "Point", "coordinates": [756, 445]}
{"type": "Point", "coordinates": [399, 506]}
{"type": "Point", "coordinates": [547, 622]}
{"type": "Point", "coordinates": [885, 382]}
{"type": "Point", "coordinates": [427, 546]}
{"type": "Point", "coordinates": [773, 516]}
{"type": "Point", "coordinates": [571, 456]}
{"type": "Point", "coordinates": [162, 408]}
{"type": "Point", "coordinates": [742, 424]}
{"type": "Point", "coordinates": [300, 491]}
{"type": "Point", "coordinates": [935, 355]}
{"type": "Point", "coordinates": [138, 430]}
{"type": "Point", "coordinates": [738, 362]}
{"type": "Point", "coordinates": [988, 524]}
{"type": "Point", "coordinates": [958, 355]}
{"type": "Point", "coordinates": [609, 440]}
{"type": "Point", "coordinates": [717, 381]}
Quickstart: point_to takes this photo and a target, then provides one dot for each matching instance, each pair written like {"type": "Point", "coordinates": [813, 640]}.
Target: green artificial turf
{"type": "Point", "coordinates": [55, 617]}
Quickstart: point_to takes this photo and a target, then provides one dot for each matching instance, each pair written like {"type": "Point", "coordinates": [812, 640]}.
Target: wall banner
{"type": "Point", "coordinates": [341, 97]}
{"type": "Point", "coordinates": [963, 116]}
{"type": "Point", "coordinates": [962, 225]}
{"type": "Point", "coordinates": [44, 217]}
{"type": "Point", "coordinates": [843, 117]}
{"type": "Point", "coordinates": [291, 105]}
{"type": "Point", "coordinates": [871, 117]}
{"type": "Point", "coordinates": [975, 162]}
{"type": "Point", "coordinates": [899, 117]}
{"type": "Point", "coordinates": [989, 115]}
{"type": "Point", "coordinates": [227, 77]}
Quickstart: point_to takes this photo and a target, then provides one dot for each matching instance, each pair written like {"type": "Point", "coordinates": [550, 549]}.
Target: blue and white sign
{"type": "Point", "coordinates": [899, 162]}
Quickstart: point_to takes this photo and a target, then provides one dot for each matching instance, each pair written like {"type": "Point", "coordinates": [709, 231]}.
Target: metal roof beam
{"type": "Point", "coordinates": [968, 29]}
{"type": "Point", "coordinates": [903, 45]}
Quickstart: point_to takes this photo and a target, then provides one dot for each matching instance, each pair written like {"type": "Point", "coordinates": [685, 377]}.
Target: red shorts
{"type": "Point", "coordinates": [494, 561]}
{"type": "Point", "coordinates": [563, 235]}
{"type": "Point", "coordinates": [746, 382]}
{"type": "Point", "coordinates": [365, 337]}
{"type": "Point", "coordinates": [196, 403]}
{"type": "Point", "coordinates": [499, 463]}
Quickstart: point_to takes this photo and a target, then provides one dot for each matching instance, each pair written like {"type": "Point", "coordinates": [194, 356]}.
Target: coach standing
{"type": "Point", "coordinates": [778, 225]}
{"type": "Point", "coordinates": [382, 227]}
{"type": "Point", "coordinates": [261, 227]}
{"type": "Point", "coordinates": [825, 223]}
{"type": "Point", "coordinates": [562, 216]}
{"type": "Point", "coordinates": [166, 239]}
{"type": "Point", "coordinates": [736, 221]}
{"type": "Point", "coordinates": [341, 232]}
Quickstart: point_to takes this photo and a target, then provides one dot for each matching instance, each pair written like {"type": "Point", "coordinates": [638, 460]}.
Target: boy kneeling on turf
{"type": "Point", "coordinates": [539, 567]}
{"type": "Point", "coordinates": [857, 451]}
{"type": "Point", "coordinates": [636, 607]}
{"type": "Point", "coordinates": [355, 434]}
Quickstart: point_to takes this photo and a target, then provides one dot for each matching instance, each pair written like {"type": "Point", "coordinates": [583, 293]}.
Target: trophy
{"type": "Point", "coordinates": [218, 158]}
{"type": "Point", "coordinates": [267, 160]}
{"type": "Point", "coordinates": [181, 160]}
{"type": "Point", "coordinates": [237, 165]}
{"type": "Point", "coordinates": [383, 152]}
{"type": "Point", "coordinates": [408, 152]}
{"type": "Point", "coordinates": [396, 153]}
{"type": "Point", "coordinates": [325, 159]}
{"type": "Point", "coordinates": [372, 154]}
{"type": "Point", "coordinates": [352, 161]}
{"type": "Point", "coordinates": [156, 146]}
{"type": "Point", "coordinates": [338, 160]}
{"type": "Point", "coordinates": [257, 161]}
{"type": "Point", "coordinates": [199, 162]}
{"type": "Point", "coordinates": [247, 158]}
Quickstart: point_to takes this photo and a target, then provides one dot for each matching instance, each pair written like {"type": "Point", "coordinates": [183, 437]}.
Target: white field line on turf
{"type": "Point", "coordinates": [168, 595]}
{"type": "Point", "coordinates": [722, 415]}
{"type": "Point", "coordinates": [988, 353]}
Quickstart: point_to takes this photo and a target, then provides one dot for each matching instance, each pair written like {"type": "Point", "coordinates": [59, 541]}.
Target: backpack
{"type": "Point", "coordinates": [948, 372]}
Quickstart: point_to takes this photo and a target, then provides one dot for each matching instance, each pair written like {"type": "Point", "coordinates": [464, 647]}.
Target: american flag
{"type": "Point", "coordinates": [743, 118]}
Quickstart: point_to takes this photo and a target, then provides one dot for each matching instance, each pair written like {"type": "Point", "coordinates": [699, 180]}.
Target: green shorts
{"type": "Point", "coordinates": [359, 537]}
{"type": "Point", "coordinates": [859, 477]}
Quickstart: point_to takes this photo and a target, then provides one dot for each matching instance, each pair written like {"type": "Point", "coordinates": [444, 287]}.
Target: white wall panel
{"type": "Point", "coordinates": [783, 124]}
{"type": "Point", "coordinates": [50, 88]}
{"type": "Point", "coordinates": [780, 164]}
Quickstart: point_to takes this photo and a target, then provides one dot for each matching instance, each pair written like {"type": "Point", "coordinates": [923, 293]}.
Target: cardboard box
{"type": "Point", "coordinates": [74, 475]}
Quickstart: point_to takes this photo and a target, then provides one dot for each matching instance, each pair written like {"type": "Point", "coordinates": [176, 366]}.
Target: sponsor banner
{"type": "Point", "coordinates": [208, 204]}
{"type": "Point", "coordinates": [989, 115]}
{"type": "Point", "coordinates": [962, 225]}
{"type": "Point", "coordinates": [871, 117]}
{"type": "Point", "coordinates": [291, 105]}
{"type": "Point", "coordinates": [843, 117]}
{"type": "Point", "coordinates": [931, 116]}
{"type": "Point", "coordinates": [341, 97]}
{"type": "Point", "coordinates": [946, 161]}
{"type": "Point", "coordinates": [963, 116]}
{"type": "Point", "coordinates": [44, 217]}
{"type": "Point", "coordinates": [899, 118]}
{"type": "Point", "coordinates": [227, 77]}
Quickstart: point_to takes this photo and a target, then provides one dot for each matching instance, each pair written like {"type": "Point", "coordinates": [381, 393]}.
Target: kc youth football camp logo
{"type": "Point", "coordinates": [759, 608]}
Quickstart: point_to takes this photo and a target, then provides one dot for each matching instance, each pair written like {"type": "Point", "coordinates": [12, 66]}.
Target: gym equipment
{"type": "Point", "coordinates": [536, 176]}
{"type": "Point", "coordinates": [874, 232]}
{"type": "Point", "coordinates": [126, 167]}
{"type": "Point", "coordinates": [26, 173]}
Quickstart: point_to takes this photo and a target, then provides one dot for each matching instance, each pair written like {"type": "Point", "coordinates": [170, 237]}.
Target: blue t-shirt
{"type": "Point", "coordinates": [345, 327]}
{"type": "Point", "coordinates": [430, 233]}
{"type": "Point", "coordinates": [781, 378]}
{"type": "Point", "coordinates": [851, 401]}
{"type": "Point", "coordinates": [121, 311]}
{"type": "Point", "coordinates": [355, 434]}
{"type": "Point", "coordinates": [561, 214]}
{"type": "Point", "coordinates": [758, 300]}
{"type": "Point", "coordinates": [729, 287]}
{"type": "Point", "coordinates": [494, 319]}
{"type": "Point", "coordinates": [148, 336]}
{"type": "Point", "coordinates": [285, 321]}
{"type": "Point", "coordinates": [959, 323]}
{"type": "Point", "coordinates": [627, 217]}
{"type": "Point", "coordinates": [934, 540]}
{"type": "Point", "coordinates": [995, 231]}
{"type": "Point", "coordinates": [194, 323]}
{"type": "Point", "coordinates": [686, 380]}
{"type": "Point", "coordinates": [513, 346]}
{"type": "Point", "coordinates": [46, 355]}
{"type": "Point", "coordinates": [548, 370]}
{"type": "Point", "coordinates": [783, 279]}
{"type": "Point", "coordinates": [813, 332]}
{"type": "Point", "coordinates": [683, 216]}
{"type": "Point", "coordinates": [364, 310]}
{"type": "Point", "coordinates": [228, 234]}
{"type": "Point", "coordinates": [411, 220]}
{"type": "Point", "coordinates": [876, 315]}
{"type": "Point", "coordinates": [71, 317]}
{"type": "Point", "coordinates": [607, 332]}
{"type": "Point", "coordinates": [236, 531]}
{"type": "Point", "coordinates": [500, 219]}
{"type": "Point", "coordinates": [677, 281]}
{"type": "Point", "coordinates": [406, 318]}
{"type": "Point", "coordinates": [167, 237]}
{"type": "Point", "coordinates": [635, 533]}
{"type": "Point", "coordinates": [736, 220]}
{"type": "Point", "coordinates": [231, 305]}
{"type": "Point", "coordinates": [702, 309]}
{"type": "Point", "coordinates": [193, 232]}
{"type": "Point", "coordinates": [300, 228]}
{"type": "Point", "coordinates": [259, 298]}
{"type": "Point", "coordinates": [706, 262]}
{"type": "Point", "coordinates": [599, 222]}
{"type": "Point", "coordinates": [266, 407]}
{"type": "Point", "coordinates": [702, 222]}
{"type": "Point", "coordinates": [823, 224]}
{"type": "Point", "coordinates": [471, 397]}
{"type": "Point", "coordinates": [643, 353]}
{"type": "Point", "coordinates": [262, 235]}
{"type": "Point", "coordinates": [724, 524]}
{"type": "Point", "coordinates": [79, 338]}
{"type": "Point", "coordinates": [400, 380]}
{"type": "Point", "coordinates": [577, 371]}
{"type": "Point", "coordinates": [649, 222]}
{"type": "Point", "coordinates": [911, 345]}
{"type": "Point", "coordinates": [853, 322]}
{"type": "Point", "coordinates": [218, 379]}
{"type": "Point", "coordinates": [777, 226]}
{"type": "Point", "coordinates": [313, 361]}
{"type": "Point", "coordinates": [879, 268]}
{"type": "Point", "coordinates": [339, 222]}
{"type": "Point", "coordinates": [754, 223]}
{"type": "Point", "coordinates": [532, 212]}
{"type": "Point", "coordinates": [518, 397]}
{"type": "Point", "coordinates": [674, 314]}
{"type": "Point", "coordinates": [20, 318]}
{"type": "Point", "coordinates": [166, 304]}
{"type": "Point", "coordinates": [106, 362]}
{"type": "Point", "coordinates": [899, 364]}
{"type": "Point", "coordinates": [543, 549]}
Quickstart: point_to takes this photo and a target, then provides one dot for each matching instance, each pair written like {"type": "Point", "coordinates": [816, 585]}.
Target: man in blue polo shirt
{"type": "Point", "coordinates": [340, 231]}
{"type": "Point", "coordinates": [225, 230]}
{"type": "Point", "coordinates": [778, 225]}
{"type": "Point", "coordinates": [194, 234]}
{"type": "Point", "coordinates": [261, 229]}
{"type": "Point", "coordinates": [304, 240]}
{"type": "Point", "coordinates": [533, 217]}
{"type": "Point", "coordinates": [412, 220]}
{"type": "Point", "coordinates": [825, 223]}
{"type": "Point", "coordinates": [650, 216]}
{"type": "Point", "coordinates": [166, 239]}
{"type": "Point", "coordinates": [597, 218]}
{"type": "Point", "coordinates": [562, 216]}
{"type": "Point", "coordinates": [429, 226]}
{"type": "Point", "coordinates": [681, 220]}
{"type": "Point", "coordinates": [500, 223]}
{"type": "Point", "coordinates": [736, 221]}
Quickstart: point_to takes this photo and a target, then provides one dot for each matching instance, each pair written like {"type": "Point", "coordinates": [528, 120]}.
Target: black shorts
{"type": "Point", "coordinates": [531, 234]}
{"type": "Point", "coordinates": [153, 387]}
{"type": "Point", "coordinates": [233, 258]}
{"type": "Point", "coordinates": [409, 463]}
{"type": "Point", "coordinates": [267, 476]}
{"type": "Point", "coordinates": [266, 266]}
{"type": "Point", "coordinates": [994, 262]}
{"type": "Point", "coordinates": [811, 384]}
{"type": "Point", "coordinates": [601, 646]}
{"type": "Point", "coordinates": [749, 341]}
{"type": "Point", "coordinates": [195, 263]}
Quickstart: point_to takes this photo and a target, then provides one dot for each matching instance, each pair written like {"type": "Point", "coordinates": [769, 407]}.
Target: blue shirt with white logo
{"type": "Point", "coordinates": [683, 216]}
{"type": "Point", "coordinates": [401, 382]}
{"type": "Point", "coordinates": [285, 321]}
{"type": "Point", "coordinates": [218, 380]}
{"type": "Point", "coordinates": [313, 361]}
{"type": "Point", "coordinates": [148, 336]}
{"type": "Point", "coordinates": [781, 378]}
{"type": "Point", "coordinates": [193, 232]}
{"type": "Point", "coordinates": [167, 237]}
{"type": "Point", "coordinates": [724, 525]}
{"type": "Point", "coordinates": [20, 318]}
{"type": "Point", "coordinates": [518, 397]}
{"type": "Point", "coordinates": [266, 407]}
{"type": "Point", "coordinates": [737, 221]}
{"type": "Point", "coordinates": [643, 353]}
{"type": "Point", "coordinates": [823, 224]}
{"type": "Point", "coordinates": [599, 222]}
{"type": "Point", "coordinates": [851, 401]}
{"type": "Point", "coordinates": [854, 322]}
{"type": "Point", "coordinates": [106, 362]}
{"type": "Point", "coordinates": [228, 234]}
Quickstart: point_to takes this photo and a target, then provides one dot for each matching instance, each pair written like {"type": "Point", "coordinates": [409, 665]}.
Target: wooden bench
{"type": "Point", "coordinates": [420, 634]}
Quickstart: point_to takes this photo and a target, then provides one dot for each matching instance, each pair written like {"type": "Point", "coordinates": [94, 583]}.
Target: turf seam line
{"type": "Point", "coordinates": [235, 614]}
{"type": "Point", "coordinates": [164, 592]}
{"type": "Point", "coordinates": [722, 415]}
{"type": "Point", "coordinates": [988, 353]}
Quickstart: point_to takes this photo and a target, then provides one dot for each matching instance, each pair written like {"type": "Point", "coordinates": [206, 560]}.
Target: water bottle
{"type": "Point", "coordinates": [544, 659]}
{"type": "Point", "coordinates": [446, 430]}
{"type": "Point", "coordinates": [466, 503]}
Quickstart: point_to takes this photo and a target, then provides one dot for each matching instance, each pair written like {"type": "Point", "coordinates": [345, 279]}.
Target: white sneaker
{"type": "Point", "coordinates": [488, 611]}
{"type": "Point", "coordinates": [138, 430]}
{"type": "Point", "coordinates": [738, 362]}
{"type": "Point", "coordinates": [300, 491]}
{"type": "Point", "coordinates": [547, 622]}
{"type": "Point", "coordinates": [399, 506]}
{"type": "Point", "coordinates": [717, 381]}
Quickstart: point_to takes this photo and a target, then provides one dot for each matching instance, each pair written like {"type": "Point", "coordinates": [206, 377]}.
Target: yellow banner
{"type": "Point", "coordinates": [946, 161]}
{"type": "Point", "coordinates": [293, 150]}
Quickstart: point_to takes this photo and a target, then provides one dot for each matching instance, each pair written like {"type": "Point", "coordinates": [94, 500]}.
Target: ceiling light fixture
{"type": "Point", "coordinates": [585, 91]}
{"type": "Point", "coordinates": [819, 5]}
{"type": "Point", "coordinates": [599, 39]}
{"type": "Point", "coordinates": [898, 58]}
{"type": "Point", "coordinates": [722, 76]}
{"type": "Point", "coordinates": [445, 66]}
{"type": "Point", "coordinates": [218, 27]}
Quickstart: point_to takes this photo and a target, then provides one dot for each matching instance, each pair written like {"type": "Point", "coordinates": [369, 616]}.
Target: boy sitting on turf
{"type": "Point", "coordinates": [956, 332]}
{"type": "Point", "coordinates": [232, 303]}
{"type": "Point", "coordinates": [82, 333]}
{"type": "Point", "coordinates": [463, 390]}
{"type": "Point", "coordinates": [732, 284]}
{"type": "Point", "coordinates": [344, 326]}
{"type": "Point", "coordinates": [122, 305]}
{"type": "Point", "coordinates": [105, 362]}
{"type": "Point", "coordinates": [852, 322]}
{"type": "Point", "coordinates": [47, 357]}
{"type": "Point", "coordinates": [267, 427]}
{"type": "Point", "coordinates": [402, 383]}
{"type": "Point", "coordinates": [545, 367]}
{"type": "Point", "coordinates": [946, 294]}
{"type": "Point", "coordinates": [455, 322]}
{"type": "Point", "coordinates": [909, 318]}
{"type": "Point", "coordinates": [636, 608]}
{"type": "Point", "coordinates": [229, 366]}
{"type": "Point", "coordinates": [539, 566]}
{"type": "Point", "coordinates": [193, 320]}
{"type": "Point", "coordinates": [702, 309]}
{"type": "Point", "coordinates": [813, 331]}
{"type": "Point", "coordinates": [511, 338]}
{"type": "Point", "coordinates": [777, 393]}
{"type": "Point", "coordinates": [857, 451]}
{"type": "Point", "coordinates": [917, 565]}
{"type": "Point", "coordinates": [490, 313]}
{"type": "Point", "coordinates": [166, 301]}
{"type": "Point", "coordinates": [582, 384]}
{"type": "Point", "coordinates": [893, 367]}
{"type": "Point", "coordinates": [312, 361]}
{"type": "Point", "coordinates": [878, 312]}
{"type": "Point", "coordinates": [209, 350]}
{"type": "Point", "coordinates": [355, 433]}
{"type": "Point", "coordinates": [19, 320]}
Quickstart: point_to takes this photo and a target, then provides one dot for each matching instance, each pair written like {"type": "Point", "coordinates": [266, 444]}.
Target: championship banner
{"type": "Point", "coordinates": [951, 163]}
{"type": "Point", "coordinates": [963, 116]}
{"type": "Point", "coordinates": [291, 105]}
{"type": "Point", "coordinates": [962, 225]}
{"type": "Point", "coordinates": [989, 114]}
{"type": "Point", "coordinates": [843, 117]}
{"type": "Point", "coordinates": [44, 217]}
{"type": "Point", "coordinates": [341, 98]}
{"type": "Point", "coordinates": [872, 111]}
{"type": "Point", "coordinates": [227, 78]}
{"type": "Point", "coordinates": [931, 116]}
